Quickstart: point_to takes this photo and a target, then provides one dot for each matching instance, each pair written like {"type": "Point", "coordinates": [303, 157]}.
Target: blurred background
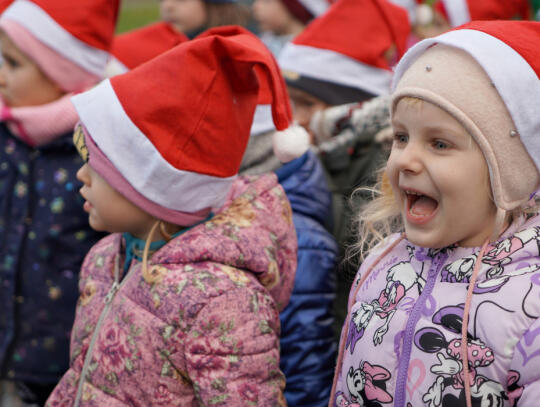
{"type": "Point", "coordinates": [135, 13]}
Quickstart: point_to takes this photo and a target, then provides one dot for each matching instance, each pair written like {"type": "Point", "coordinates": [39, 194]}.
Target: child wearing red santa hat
{"type": "Point", "coordinates": [441, 15]}
{"type": "Point", "coordinates": [50, 50]}
{"type": "Point", "coordinates": [180, 304]}
{"type": "Point", "coordinates": [281, 20]}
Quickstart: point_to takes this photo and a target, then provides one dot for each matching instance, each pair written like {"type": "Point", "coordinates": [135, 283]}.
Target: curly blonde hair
{"type": "Point", "coordinates": [381, 216]}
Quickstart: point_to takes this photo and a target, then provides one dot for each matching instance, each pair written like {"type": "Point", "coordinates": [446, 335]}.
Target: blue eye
{"type": "Point", "coordinates": [401, 138]}
{"type": "Point", "coordinates": [440, 145]}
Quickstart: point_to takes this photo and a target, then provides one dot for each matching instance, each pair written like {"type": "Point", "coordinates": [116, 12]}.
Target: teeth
{"type": "Point", "coordinates": [413, 193]}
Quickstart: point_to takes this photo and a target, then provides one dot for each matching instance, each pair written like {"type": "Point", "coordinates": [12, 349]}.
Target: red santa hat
{"type": "Point", "coordinates": [349, 46]}
{"type": "Point", "coordinates": [459, 12]}
{"type": "Point", "coordinates": [70, 44]}
{"type": "Point", "coordinates": [170, 134]}
{"type": "Point", "coordinates": [497, 62]}
{"type": "Point", "coordinates": [134, 47]}
{"type": "Point", "coordinates": [306, 10]}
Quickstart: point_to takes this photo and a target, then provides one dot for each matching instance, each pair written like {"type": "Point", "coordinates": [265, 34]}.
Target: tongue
{"type": "Point", "coordinates": [423, 206]}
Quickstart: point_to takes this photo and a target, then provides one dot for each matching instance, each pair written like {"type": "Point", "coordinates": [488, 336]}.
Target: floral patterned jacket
{"type": "Point", "coordinates": [201, 327]}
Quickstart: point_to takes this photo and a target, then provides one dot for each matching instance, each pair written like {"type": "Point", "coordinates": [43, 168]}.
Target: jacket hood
{"type": "Point", "coordinates": [252, 231]}
{"type": "Point", "coordinates": [305, 183]}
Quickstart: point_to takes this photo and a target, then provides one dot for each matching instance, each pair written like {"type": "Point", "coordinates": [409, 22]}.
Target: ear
{"type": "Point", "coordinates": [430, 340]}
{"type": "Point", "coordinates": [450, 317]}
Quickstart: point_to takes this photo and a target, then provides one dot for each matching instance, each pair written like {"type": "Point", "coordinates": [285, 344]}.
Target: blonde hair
{"type": "Point", "coordinates": [381, 216]}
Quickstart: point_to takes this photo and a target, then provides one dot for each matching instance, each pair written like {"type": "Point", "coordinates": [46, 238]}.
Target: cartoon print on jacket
{"type": "Point", "coordinates": [367, 387]}
{"type": "Point", "coordinates": [499, 256]}
{"type": "Point", "coordinates": [400, 278]}
{"type": "Point", "coordinates": [448, 388]}
{"type": "Point", "coordinates": [459, 271]}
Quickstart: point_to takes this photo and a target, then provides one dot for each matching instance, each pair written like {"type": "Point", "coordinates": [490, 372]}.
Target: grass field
{"type": "Point", "coordinates": [136, 13]}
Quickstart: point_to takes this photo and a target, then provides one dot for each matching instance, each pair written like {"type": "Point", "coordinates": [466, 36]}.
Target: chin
{"type": "Point", "coordinates": [423, 239]}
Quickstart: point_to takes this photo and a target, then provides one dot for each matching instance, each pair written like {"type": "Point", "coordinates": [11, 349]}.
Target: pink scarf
{"type": "Point", "coordinates": [39, 125]}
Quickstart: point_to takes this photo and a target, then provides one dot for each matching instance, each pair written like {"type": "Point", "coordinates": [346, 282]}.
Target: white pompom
{"type": "Point", "coordinates": [290, 143]}
{"type": "Point", "coordinates": [424, 14]}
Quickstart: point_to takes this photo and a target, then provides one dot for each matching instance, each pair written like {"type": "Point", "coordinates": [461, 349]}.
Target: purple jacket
{"type": "Point", "coordinates": [401, 342]}
{"type": "Point", "coordinates": [201, 327]}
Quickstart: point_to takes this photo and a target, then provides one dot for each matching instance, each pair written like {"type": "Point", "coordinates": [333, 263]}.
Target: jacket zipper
{"type": "Point", "coordinates": [403, 367]}
{"type": "Point", "coordinates": [108, 302]}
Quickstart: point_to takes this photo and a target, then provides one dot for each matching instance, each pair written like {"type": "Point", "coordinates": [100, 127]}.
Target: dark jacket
{"type": "Point", "coordinates": [308, 347]}
{"type": "Point", "coordinates": [44, 236]}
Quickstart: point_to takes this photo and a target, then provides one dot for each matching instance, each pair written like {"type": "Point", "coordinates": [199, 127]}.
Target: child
{"type": "Point", "coordinates": [308, 344]}
{"type": "Point", "coordinates": [281, 20]}
{"type": "Point", "coordinates": [435, 17]}
{"type": "Point", "coordinates": [132, 48]}
{"type": "Point", "coordinates": [445, 314]}
{"type": "Point", "coordinates": [50, 51]}
{"type": "Point", "coordinates": [180, 305]}
{"type": "Point", "coordinates": [192, 17]}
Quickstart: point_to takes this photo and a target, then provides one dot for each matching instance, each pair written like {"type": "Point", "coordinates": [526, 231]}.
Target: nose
{"type": "Point", "coordinates": [407, 158]}
{"type": "Point", "coordinates": [2, 74]}
{"type": "Point", "coordinates": [165, 5]}
{"type": "Point", "coordinates": [83, 174]}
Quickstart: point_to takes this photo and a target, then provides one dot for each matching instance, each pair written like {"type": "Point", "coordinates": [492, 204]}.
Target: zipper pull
{"type": "Point", "coordinates": [112, 291]}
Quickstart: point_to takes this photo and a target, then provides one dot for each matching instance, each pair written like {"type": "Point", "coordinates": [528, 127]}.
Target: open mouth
{"type": "Point", "coordinates": [420, 208]}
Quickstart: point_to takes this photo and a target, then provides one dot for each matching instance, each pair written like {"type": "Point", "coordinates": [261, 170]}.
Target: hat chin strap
{"type": "Point", "coordinates": [498, 227]}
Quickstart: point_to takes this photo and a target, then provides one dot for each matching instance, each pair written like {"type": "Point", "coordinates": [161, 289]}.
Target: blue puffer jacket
{"type": "Point", "coordinates": [44, 236]}
{"type": "Point", "coordinates": [308, 348]}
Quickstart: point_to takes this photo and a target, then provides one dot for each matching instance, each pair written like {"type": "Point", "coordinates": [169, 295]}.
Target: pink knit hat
{"type": "Point", "coordinates": [70, 44]}
{"type": "Point", "coordinates": [486, 75]}
{"type": "Point", "coordinates": [170, 134]}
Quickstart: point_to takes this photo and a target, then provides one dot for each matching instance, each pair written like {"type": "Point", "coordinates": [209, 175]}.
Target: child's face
{"type": "Point", "coordinates": [108, 210]}
{"type": "Point", "coordinates": [272, 16]}
{"type": "Point", "coordinates": [184, 15]}
{"type": "Point", "coordinates": [439, 178]}
{"type": "Point", "coordinates": [304, 106]}
{"type": "Point", "coordinates": [21, 81]}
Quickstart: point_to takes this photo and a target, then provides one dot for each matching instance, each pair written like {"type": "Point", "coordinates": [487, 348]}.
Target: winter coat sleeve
{"type": "Point", "coordinates": [523, 380]}
{"type": "Point", "coordinates": [308, 346]}
{"type": "Point", "coordinates": [232, 351]}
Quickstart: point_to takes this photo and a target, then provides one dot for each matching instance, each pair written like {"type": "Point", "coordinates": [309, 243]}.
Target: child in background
{"type": "Point", "coordinates": [445, 314]}
{"type": "Point", "coordinates": [281, 20]}
{"type": "Point", "coordinates": [192, 17]}
{"type": "Point", "coordinates": [436, 17]}
{"type": "Point", "coordinates": [132, 48]}
{"type": "Point", "coordinates": [50, 51]}
{"type": "Point", "coordinates": [180, 305]}
{"type": "Point", "coordinates": [308, 344]}
{"type": "Point", "coordinates": [345, 56]}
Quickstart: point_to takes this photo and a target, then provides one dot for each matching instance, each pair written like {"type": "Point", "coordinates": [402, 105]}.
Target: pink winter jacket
{"type": "Point", "coordinates": [401, 344]}
{"type": "Point", "coordinates": [201, 327]}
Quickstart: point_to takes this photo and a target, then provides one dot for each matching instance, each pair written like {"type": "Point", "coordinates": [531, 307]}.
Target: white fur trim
{"type": "Point", "coordinates": [458, 11]}
{"type": "Point", "coordinates": [424, 14]}
{"type": "Point", "coordinates": [315, 7]}
{"type": "Point", "coordinates": [139, 162]}
{"type": "Point", "coordinates": [501, 63]}
{"type": "Point", "coordinates": [410, 6]}
{"type": "Point", "coordinates": [290, 143]}
{"type": "Point", "coordinates": [115, 67]}
{"type": "Point", "coordinates": [334, 67]}
{"type": "Point", "coordinates": [49, 32]}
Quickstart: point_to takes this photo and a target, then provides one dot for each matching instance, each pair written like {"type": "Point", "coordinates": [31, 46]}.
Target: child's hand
{"type": "Point", "coordinates": [434, 395]}
{"type": "Point", "coordinates": [447, 366]}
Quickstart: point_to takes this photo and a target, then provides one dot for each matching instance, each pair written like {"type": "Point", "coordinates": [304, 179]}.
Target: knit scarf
{"type": "Point", "coordinates": [39, 125]}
